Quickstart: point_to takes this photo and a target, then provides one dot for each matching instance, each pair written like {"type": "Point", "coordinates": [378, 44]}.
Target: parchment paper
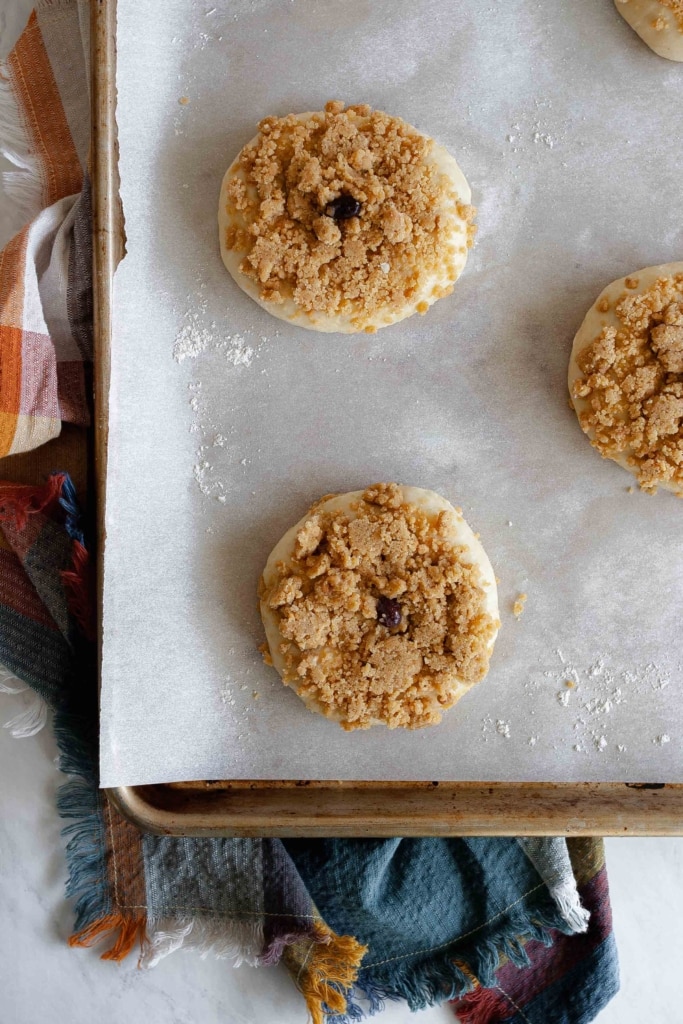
{"type": "Point", "coordinates": [568, 129]}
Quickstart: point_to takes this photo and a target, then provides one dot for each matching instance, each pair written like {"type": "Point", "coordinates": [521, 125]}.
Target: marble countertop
{"type": "Point", "coordinates": [43, 980]}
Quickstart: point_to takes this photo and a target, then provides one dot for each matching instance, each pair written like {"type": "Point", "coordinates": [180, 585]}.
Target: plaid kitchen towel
{"type": "Point", "coordinates": [512, 930]}
{"type": "Point", "coordinates": [45, 294]}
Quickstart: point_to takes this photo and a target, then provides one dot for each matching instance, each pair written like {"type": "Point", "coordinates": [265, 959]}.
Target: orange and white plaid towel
{"type": "Point", "coordinates": [45, 320]}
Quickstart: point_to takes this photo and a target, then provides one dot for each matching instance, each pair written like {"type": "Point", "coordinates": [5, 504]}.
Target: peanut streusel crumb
{"type": "Point", "coordinates": [677, 7]}
{"type": "Point", "coordinates": [632, 380]}
{"type": "Point", "coordinates": [287, 190]}
{"type": "Point", "coordinates": [382, 617]}
{"type": "Point", "coordinates": [518, 606]}
{"type": "Point", "coordinates": [263, 648]}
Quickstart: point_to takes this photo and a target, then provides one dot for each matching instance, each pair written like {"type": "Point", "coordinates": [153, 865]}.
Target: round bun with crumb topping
{"type": "Point", "coordinates": [344, 220]}
{"type": "Point", "coordinates": [659, 23]}
{"type": "Point", "coordinates": [380, 607]}
{"type": "Point", "coordinates": [626, 375]}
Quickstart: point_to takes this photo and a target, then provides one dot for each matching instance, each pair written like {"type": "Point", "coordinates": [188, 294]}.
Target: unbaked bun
{"type": "Point", "coordinates": [344, 220]}
{"type": "Point", "coordinates": [380, 606]}
{"type": "Point", "coordinates": [626, 375]}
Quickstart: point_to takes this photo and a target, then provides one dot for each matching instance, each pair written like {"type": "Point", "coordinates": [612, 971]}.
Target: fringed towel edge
{"type": "Point", "coordinates": [18, 501]}
{"type": "Point", "coordinates": [328, 974]}
{"type": "Point", "coordinates": [30, 720]}
{"type": "Point", "coordinates": [78, 581]}
{"type": "Point", "coordinates": [33, 716]}
{"type": "Point", "coordinates": [239, 941]}
{"type": "Point", "coordinates": [456, 970]}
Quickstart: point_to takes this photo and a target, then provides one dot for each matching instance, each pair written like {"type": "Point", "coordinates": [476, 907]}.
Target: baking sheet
{"type": "Point", "coordinates": [226, 424]}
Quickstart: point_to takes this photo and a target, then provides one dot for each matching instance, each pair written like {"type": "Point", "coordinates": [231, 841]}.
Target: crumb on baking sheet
{"type": "Point", "coordinates": [631, 385]}
{"type": "Point", "coordinates": [345, 214]}
{"type": "Point", "coordinates": [518, 606]}
{"type": "Point", "coordinates": [383, 618]}
{"type": "Point", "coordinates": [184, 100]}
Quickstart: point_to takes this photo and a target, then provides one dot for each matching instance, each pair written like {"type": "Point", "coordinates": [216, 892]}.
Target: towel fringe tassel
{"type": "Point", "coordinates": [30, 720]}
{"type": "Point", "coordinates": [569, 902]}
{"type": "Point", "coordinates": [484, 1006]}
{"type": "Point", "coordinates": [238, 941]}
{"type": "Point", "coordinates": [78, 581]}
{"type": "Point", "coordinates": [9, 683]}
{"type": "Point", "coordinates": [19, 501]}
{"type": "Point", "coordinates": [128, 932]}
{"type": "Point", "coordinates": [78, 584]}
{"type": "Point", "coordinates": [329, 974]}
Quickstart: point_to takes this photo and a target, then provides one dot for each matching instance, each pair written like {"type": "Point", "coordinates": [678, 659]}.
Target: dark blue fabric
{"type": "Point", "coordinates": [36, 654]}
{"type": "Point", "coordinates": [403, 895]}
{"type": "Point", "coordinates": [434, 913]}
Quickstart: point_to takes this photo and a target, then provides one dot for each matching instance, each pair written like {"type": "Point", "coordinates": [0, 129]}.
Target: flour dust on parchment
{"type": "Point", "coordinates": [201, 342]}
{"type": "Point", "coordinates": [198, 334]}
{"type": "Point", "coordinates": [235, 698]}
{"type": "Point", "coordinates": [591, 696]}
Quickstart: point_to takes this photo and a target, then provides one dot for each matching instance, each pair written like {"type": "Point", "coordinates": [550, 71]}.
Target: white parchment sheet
{"type": "Point", "coordinates": [226, 424]}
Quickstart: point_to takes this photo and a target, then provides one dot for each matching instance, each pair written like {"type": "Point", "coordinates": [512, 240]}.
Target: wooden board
{"type": "Point", "coordinates": [310, 808]}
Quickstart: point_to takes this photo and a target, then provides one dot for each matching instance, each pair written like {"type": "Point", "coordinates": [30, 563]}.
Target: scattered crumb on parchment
{"type": "Point", "coordinates": [518, 606]}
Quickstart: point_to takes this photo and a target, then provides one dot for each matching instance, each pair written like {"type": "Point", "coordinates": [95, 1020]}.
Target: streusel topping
{"type": "Point", "coordinates": [632, 380]}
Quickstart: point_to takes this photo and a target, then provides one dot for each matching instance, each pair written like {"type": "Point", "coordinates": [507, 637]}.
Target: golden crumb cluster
{"type": "Point", "coordinates": [382, 616]}
{"type": "Point", "coordinates": [632, 380]}
{"type": "Point", "coordinates": [677, 7]}
{"type": "Point", "coordinates": [300, 244]}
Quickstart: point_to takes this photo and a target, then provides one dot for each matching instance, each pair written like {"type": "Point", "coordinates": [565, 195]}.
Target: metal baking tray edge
{"type": "Point", "coordinates": [304, 807]}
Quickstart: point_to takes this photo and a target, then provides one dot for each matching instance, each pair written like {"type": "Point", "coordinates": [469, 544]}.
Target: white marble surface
{"type": "Point", "coordinates": [42, 980]}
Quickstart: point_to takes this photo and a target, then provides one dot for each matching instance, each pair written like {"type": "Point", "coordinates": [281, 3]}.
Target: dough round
{"type": "Point", "coordinates": [344, 220]}
{"type": "Point", "coordinates": [659, 23]}
{"type": "Point", "coordinates": [380, 606]}
{"type": "Point", "coordinates": [626, 375]}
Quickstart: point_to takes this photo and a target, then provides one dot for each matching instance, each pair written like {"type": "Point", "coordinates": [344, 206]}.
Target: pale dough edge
{"type": "Point", "coordinates": [640, 15]}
